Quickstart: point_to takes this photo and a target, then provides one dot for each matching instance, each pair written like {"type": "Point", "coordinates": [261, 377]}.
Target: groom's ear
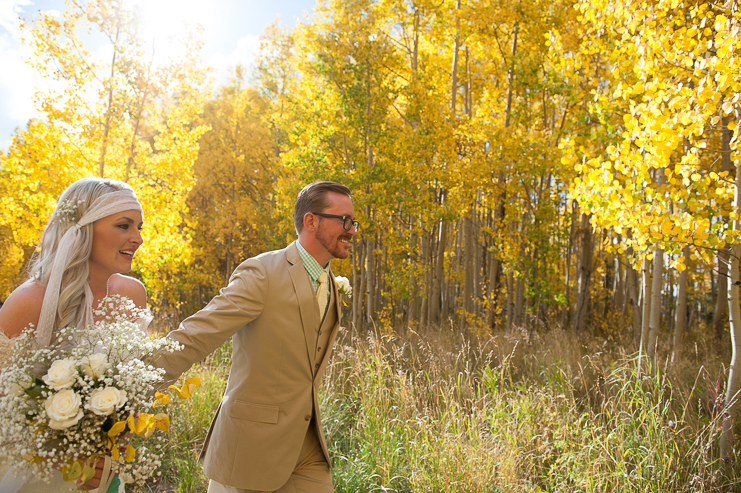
{"type": "Point", "coordinates": [311, 222]}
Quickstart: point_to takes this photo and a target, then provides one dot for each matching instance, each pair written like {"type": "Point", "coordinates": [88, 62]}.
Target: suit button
{"type": "Point", "coordinates": [316, 366]}
{"type": "Point", "coordinates": [307, 417]}
{"type": "Point", "coordinates": [318, 349]}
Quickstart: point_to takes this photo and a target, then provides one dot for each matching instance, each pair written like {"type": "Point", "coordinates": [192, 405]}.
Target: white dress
{"type": "Point", "coordinates": [12, 484]}
{"type": "Point", "coordinates": [9, 483]}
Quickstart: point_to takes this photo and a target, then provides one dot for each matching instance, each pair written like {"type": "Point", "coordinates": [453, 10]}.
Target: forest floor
{"type": "Point", "coordinates": [434, 410]}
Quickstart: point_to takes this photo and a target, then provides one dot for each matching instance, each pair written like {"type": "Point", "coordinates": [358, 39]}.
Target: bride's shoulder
{"type": "Point", "coordinates": [22, 308]}
{"type": "Point", "coordinates": [128, 287]}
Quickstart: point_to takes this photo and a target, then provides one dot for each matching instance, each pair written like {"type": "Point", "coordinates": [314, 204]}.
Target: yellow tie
{"type": "Point", "coordinates": [321, 294]}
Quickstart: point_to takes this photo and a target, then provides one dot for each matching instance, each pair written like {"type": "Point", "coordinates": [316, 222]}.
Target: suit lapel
{"type": "Point", "coordinates": [306, 301]}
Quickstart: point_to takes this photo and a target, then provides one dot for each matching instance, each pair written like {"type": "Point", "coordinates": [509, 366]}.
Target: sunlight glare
{"type": "Point", "coordinates": [166, 22]}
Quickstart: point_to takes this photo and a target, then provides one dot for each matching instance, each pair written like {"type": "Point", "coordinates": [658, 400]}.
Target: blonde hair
{"type": "Point", "coordinates": [71, 206]}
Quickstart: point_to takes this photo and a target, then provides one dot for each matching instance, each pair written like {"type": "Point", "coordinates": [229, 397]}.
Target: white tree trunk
{"type": "Point", "coordinates": [631, 279]}
{"type": "Point", "coordinates": [645, 283]}
{"type": "Point", "coordinates": [439, 281]}
{"type": "Point", "coordinates": [585, 275]}
{"type": "Point", "coordinates": [720, 313]}
{"type": "Point", "coordinates": [510, 301]}
{"type": "Point", "coordinates": [370, 271]}
{"type": "Point", "coordinates": [468, 268]}
{"type": "Point", "coordinates": [356, 259]}
{"type": "Point", "coordinates": [680, 316]}
{"type": "Point", "coordinates": [519, 303]}
{"type": "Point", "coordinates": [619, 288]}
{"type": "Point", "coordinates": [657, 282]}
{"type": "Point", "coordinates": [734, 312]}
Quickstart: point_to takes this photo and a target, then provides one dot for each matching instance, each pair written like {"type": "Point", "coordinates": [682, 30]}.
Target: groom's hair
{"type": "Point", "coordinates": [313, 198]}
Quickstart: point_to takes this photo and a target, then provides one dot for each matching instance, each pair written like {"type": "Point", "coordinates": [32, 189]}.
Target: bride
{"type": "Point", "coordinates": [89, 241]}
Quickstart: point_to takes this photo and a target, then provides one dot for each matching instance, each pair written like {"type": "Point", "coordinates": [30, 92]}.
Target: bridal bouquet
{"type": "Point", "coordinates": [88, 396]}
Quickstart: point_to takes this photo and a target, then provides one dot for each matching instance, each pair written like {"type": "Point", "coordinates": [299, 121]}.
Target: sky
{"type": "Point", "coordinates": [231, 29]}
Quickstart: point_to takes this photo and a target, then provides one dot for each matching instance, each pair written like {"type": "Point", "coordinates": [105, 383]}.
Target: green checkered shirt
{"type": "Point", "coordinates": [312, 266]}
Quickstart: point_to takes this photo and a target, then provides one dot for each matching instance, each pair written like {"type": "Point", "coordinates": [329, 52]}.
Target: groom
{"type": "Point", "coordinates": [281, 310]}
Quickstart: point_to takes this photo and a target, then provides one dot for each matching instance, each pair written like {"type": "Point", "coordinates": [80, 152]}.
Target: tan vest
{"type": "Point", "coordinates": [330, 319]}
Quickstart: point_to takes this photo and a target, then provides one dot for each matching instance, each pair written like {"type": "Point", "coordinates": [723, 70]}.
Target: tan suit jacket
{"type": "Point", "coordinates": [270, 310]}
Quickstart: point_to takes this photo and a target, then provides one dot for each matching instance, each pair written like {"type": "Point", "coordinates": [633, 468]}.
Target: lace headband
{"type": "Point", "coordinates": [103, 206]}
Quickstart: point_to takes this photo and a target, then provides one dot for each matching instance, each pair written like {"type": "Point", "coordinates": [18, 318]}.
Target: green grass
{"type": "Point", "coordinates": [436, 411]}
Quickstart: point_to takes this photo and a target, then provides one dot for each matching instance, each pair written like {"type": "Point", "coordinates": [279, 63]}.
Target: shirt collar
{"type": "Point", "coordinates": [313, 267]}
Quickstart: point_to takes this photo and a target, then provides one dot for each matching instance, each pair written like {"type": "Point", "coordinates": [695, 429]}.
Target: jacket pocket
{"type": "Point", "coordinates": [254, 412]}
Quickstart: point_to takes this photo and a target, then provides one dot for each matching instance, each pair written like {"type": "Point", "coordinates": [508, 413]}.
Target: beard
{"type": "Point", "coordinates": [333, 245]}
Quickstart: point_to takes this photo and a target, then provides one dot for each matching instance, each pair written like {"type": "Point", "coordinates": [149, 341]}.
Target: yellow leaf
{"type": "Point", "coordinates": [149, 430]}
{"type": "Point", "coordinates": [132, 424]}
{"type": "Point", "coordinates": [72, 471]}
{"type": "Point", "coordinates": [144, 423]}
{"type": "Point", "coordinates": [161, 399]}
{"type": "Point", "coordinates": [117, 428]}
{"type": "Point", "coordinates": [88, 472]}
{"type": "Point", "coordinates": [161, 421]}
{"type": "Point", "coordinates": [188, 389]}
{"type": "Point", "coordinates": [130, 453]}
{"type": "Point", "coordinates": [181, 392]}
{"type": "Point", "coordinates": [193, 384]}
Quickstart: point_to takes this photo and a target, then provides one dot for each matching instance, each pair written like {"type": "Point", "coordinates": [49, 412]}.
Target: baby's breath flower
{"type": "Point", "coordinates": [67, 210]}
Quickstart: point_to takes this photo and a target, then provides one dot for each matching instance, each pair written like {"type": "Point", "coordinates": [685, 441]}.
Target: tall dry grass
{"type": "Point", "coordinates": [434, 410]}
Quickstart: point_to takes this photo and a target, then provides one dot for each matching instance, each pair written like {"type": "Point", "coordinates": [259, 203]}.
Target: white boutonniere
{"type": "Point", "coordinates": [343, 286]}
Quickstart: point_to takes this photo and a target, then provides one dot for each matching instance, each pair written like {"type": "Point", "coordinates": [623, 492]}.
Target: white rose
{"type": "Point", "coordinates": [63, 409]}
{"type": "Point", "coordinates": [95, 365]}
{"type": "Point", "coordinates": [343, 285]}
{"type": "Point", "coordinates": [104, 401]}
{"type": "Point", "coordinates": [61, 375]}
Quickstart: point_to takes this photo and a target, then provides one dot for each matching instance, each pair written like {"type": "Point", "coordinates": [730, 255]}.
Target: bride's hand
{"type": "Point", "coordinates": [93, 482]}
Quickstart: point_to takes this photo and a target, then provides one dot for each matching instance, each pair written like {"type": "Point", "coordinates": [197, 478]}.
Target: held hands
{"type": "Point", "coordinates": [93, 482]}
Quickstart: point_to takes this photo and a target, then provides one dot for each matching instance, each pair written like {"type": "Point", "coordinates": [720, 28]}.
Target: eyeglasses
{"type": "Point", "coordinates": [347, 222]}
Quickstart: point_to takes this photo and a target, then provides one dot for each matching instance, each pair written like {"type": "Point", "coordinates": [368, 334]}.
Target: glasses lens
{"type": "Point", "coordinates": [348, 224]}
